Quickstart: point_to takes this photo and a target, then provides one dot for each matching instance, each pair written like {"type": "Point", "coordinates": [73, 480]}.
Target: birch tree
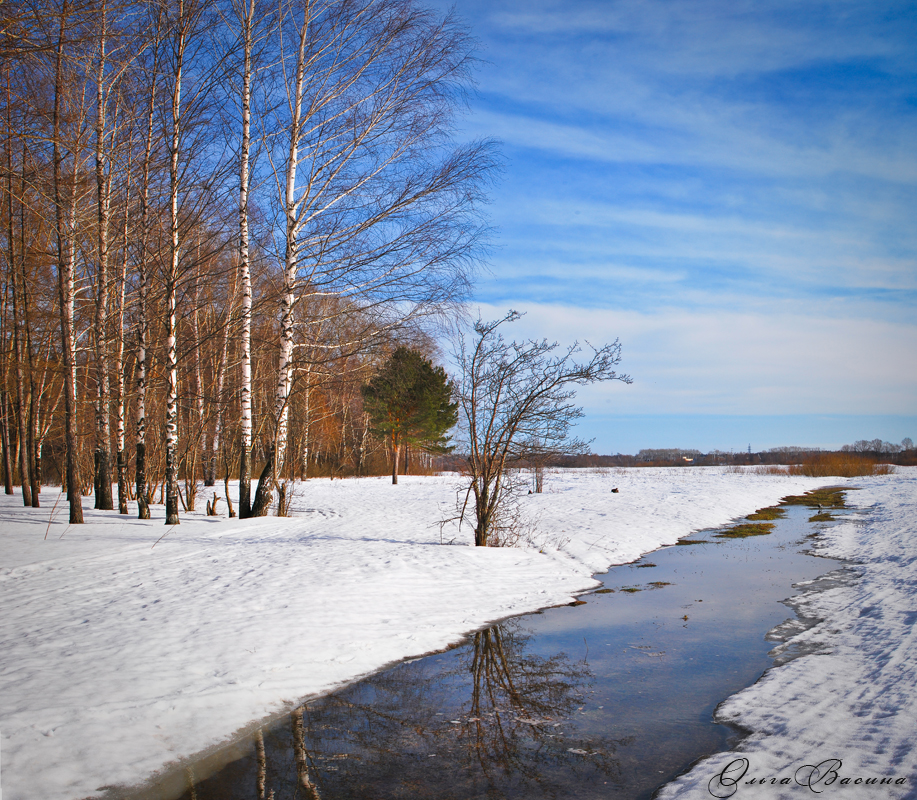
{"type": "Point", "coordinates": [151, 76]}
{"type": "Point", "coordinates": [250, 21]}
{"type": "Point", "coordinates": [65, 211]}
{"type": "Point", "coordinates": [120, 410]}
{"type": "Point", "coordinates": [102, 478]}
{"type": "Point", "coordinates": [23, 399]}
{"type": "Point", "coordinates": [182, 27]}
{"type": "Point", "coordinates": [356, 222]}
{"type": "Point", "coordinates": [187, 57]}
{"type": "Point", "coordinates": [376, 203]}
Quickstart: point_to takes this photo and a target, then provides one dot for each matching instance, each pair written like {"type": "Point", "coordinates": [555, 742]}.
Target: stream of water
{"type": "Point", "coordinates": [610, 698]}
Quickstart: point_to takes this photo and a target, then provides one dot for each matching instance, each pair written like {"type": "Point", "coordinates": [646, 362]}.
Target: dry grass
{"type": "Point", "coordinates": [760, 469]}
{"type": "Point", "coordinates": [822, 465]}
{"type": "Point", "coordinates": [773, 470]}
{"type": "Point", "coordinates": [767, 513]}
{"type": "Point", "coordinates": [840, 465]}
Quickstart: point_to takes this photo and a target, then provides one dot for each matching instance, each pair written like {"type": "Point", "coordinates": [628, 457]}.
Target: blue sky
{"type": "Point", "coordinates": [728, 187]}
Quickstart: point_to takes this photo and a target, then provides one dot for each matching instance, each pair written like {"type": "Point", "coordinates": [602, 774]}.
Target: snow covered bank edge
{"type": "Point", "coordinates": [851, 708]}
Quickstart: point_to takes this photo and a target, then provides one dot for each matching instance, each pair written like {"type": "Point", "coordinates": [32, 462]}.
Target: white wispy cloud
{"type": "Point", "coordinates": [766, 249]}
{"type": "Point", "coordinates": [705, 82]}
{"type": "Point", "coordinates": [797, 358]}
{"type": "Point", "coordinates": [712, 134]}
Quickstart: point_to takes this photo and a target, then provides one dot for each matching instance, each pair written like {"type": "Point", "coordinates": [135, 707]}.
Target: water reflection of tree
{"type": "Point", "coordinates": [488, 719]}
{"type": "Point", "coordinates": [496, 722]}
{"type": "Point", "coordinates": [281, 768]}
{"type": "Point", "coordinates": [519, 727]}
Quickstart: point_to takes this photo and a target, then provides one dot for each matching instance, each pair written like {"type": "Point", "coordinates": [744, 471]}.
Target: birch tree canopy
{"type": "Point", "coordinates": [376, 204]}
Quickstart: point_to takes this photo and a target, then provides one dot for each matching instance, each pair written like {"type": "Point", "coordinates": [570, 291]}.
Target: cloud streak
{"type": "Point", "coordinates": [795, 360]}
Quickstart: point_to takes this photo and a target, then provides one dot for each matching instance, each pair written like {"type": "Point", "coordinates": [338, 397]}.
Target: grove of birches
{"type": "Point", "coordinates": [219, 219]}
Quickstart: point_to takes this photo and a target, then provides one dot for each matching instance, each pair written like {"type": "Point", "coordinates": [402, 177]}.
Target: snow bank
{"type": "Point", "coordinates": [121, 652]}
{"type": "Point", "coordinates": [855, 702]}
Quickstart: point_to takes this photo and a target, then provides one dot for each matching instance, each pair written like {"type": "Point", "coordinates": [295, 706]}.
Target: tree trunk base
{"type": "Point", "coordinates": [172, 495]}
{"type": "Point", "coordinates": [122, 482]}
{"type": "Point", "coordinates": [76, 506]}
{"type": "Point", "coordinates": [143, 505]}
{"type": "Point", "coordinates": [265, 490]}
{"type": "Point", "coordinates": [283, 502]}
{"type": "Point", "coordinates": [245, 485]}
{"type": "Point", "coordinates": [104, 501]}
{"type": "Point", "coordinates": [232, 511]}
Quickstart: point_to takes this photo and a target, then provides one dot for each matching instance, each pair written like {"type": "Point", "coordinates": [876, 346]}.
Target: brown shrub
{"type": "Point", "coordinates": [840, 465]}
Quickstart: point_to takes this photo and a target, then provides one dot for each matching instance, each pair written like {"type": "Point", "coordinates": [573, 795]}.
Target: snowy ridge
{"type": "Point", "coordinates": [856, 701]}
{"type": "Point", "coordinates": [122, 653]}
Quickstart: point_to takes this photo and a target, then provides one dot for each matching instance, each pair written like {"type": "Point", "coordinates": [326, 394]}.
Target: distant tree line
{"type": "Point", "coordinates": [218, 220]}
{"type": "Point", "coordinates": [875, 449]}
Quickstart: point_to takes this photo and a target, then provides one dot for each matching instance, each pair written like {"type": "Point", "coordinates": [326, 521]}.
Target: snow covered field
{"type": "Point", "coordinates": [121, 653]}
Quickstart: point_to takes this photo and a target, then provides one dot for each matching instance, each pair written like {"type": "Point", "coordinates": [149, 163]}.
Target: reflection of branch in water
{"type": "Point", "coordinates": [492, 680]}
{"type": "Point", "coordinates": [490, 718]}
{"type": "Point", "coordinates": [301, 755]}
{"type": "Point", "coordinates": [262, 763]}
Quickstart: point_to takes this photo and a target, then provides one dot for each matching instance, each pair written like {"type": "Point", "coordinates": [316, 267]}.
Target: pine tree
{"type": "Point", "coordinates": [410, 402]}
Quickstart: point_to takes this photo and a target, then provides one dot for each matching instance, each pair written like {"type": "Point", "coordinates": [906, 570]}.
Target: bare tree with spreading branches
{"type": "Point", "coordinates": [516, 398]}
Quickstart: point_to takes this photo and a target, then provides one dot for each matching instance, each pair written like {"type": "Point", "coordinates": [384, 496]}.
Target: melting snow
{"type": "Point", "coordinates": [121, 651]}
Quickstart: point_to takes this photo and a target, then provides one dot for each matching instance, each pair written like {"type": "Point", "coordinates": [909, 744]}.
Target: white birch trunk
{"type": "Point", "coordinates": [217, 438]}
{"type": "Point", "coordinates": [191, 469]}
{"type": "Point", "coordinates": [66, 252]}
{"type": "Point", "coordinates": [307, 423]}
{"type": "Point", "coordinates": [119, 362]}
{"type": "Point", "coordinates": [143, 507]}
{"type": "Point", "coordinates": [245, 475]}
{"type": "Point", "coordinates": [34, 391]}
{"type": "Point", "coordinates": [18, 359]}
{"type": "Point", "coordinates": [172, 277]}
{"type": "Point", "coordinates": [102, 478]}
{"type": "Point", "coordinates": [288, 299]}
{"type": "Point", "coordinates": [272, 472]}
{"type": "Point", "coordinates": [23, 400]}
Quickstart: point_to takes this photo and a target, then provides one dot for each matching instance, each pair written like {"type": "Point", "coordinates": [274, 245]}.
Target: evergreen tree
{"type": "Point", "coordinates": [410, 402]}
